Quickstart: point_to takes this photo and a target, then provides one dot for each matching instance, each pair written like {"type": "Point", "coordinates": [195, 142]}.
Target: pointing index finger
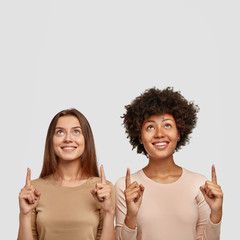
{"type": "Point", "coordinates": [28, 178]}
{"type": "Point", "coordinates": [127, 179]}
{"type": "Point", "coordinates": [103, 177]}
{"type": "Point", "coordinates": [214, 176]}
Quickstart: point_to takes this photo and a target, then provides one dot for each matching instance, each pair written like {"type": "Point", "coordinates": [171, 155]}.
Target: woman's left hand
{"type": "Point", "coordinates": [102, 193]}
{"type": "Point", "coordinates": [213, 195]}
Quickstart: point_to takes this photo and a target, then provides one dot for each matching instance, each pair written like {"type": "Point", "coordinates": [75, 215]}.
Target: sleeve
{"type": "Point", "coordinates": [205, 230]}
{"type": "Point", "coordinates": [122, 231]}
{"type": "Point", "coordinates": [101, 213]}
{"type": "Point", "coordinates": [34, 225]}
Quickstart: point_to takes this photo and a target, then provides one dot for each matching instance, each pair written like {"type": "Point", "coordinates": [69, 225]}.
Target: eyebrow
{"type": "Point", "coordinates": [72, 128]}
{"type": "Point", "coordinates": [167, 119]}
{"type": "Point", "coordinates": [149, 121]}
{"type": "Point", "coordinates": [152, 121]}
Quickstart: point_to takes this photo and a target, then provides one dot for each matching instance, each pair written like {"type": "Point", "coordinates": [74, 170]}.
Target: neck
{"type": "Point", "coordinates": [161, 166]}
{"type": "Point", "coordinates": [163, 170]}
{"type": "Point", "coordinates": [68, 170]}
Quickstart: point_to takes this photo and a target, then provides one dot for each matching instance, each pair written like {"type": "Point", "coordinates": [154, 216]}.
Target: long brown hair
{"type": "Point", "coordinates": [88, 159]}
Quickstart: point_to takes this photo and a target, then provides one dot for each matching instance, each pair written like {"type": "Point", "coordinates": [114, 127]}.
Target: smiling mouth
{"type": "Point", "coordinates": [68, 148]}
{"type": "Point", "coordinates": [160, 145]}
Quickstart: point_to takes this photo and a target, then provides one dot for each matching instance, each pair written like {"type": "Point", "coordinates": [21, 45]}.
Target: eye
{"type": "Point", "coordinates": [168, 125]}
{"type": "Point", "coordinates": [150, 127]}
{"type": "Point", "coordinates": [60, 132]}
{"type": "Point", "coordinates": [76, 132]}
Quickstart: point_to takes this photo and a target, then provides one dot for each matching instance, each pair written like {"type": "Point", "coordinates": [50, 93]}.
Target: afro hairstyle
{"type": "Point", "coordinates": [158, 102]}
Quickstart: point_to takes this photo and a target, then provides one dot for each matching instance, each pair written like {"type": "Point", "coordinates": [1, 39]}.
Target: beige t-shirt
{"type": "Point", "coordinates": [66, 213]}
{"type": "Point", "coordinates": [175, 211]}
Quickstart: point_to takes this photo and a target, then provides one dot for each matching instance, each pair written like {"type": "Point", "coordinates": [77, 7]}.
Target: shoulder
{"type": "Point", "coordinates": [41, 182]}
{"type": "Point", "coordinates": [193, 177]}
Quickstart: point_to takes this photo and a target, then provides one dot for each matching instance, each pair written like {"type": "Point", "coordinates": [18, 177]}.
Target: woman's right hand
{"type": "Point", "coordinates": [28, 196]}
{"type": "Point", "coordinates": [133, 195]}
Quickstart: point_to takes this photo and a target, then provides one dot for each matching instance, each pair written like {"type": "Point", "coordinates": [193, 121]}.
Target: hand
{"type": "Point", "coordinates": [28, 196]}
{"type": "Point", "coordinates": [133, 194]}
{"type": "Point", "coordinates": [102, 193]}
{"type": "Point", "coordinates": [213, 195]}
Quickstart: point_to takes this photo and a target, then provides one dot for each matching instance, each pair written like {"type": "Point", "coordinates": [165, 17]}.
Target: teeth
{"type": "Point", "coordinates": [69, 148]}
{"type": "Point", "coordinates": [161, 144]}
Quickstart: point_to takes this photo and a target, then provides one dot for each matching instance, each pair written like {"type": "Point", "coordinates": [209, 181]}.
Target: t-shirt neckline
{"type": "Point", "coordinates": [86, 183]}
{"type": "Point", "coordinates": [146, 178]}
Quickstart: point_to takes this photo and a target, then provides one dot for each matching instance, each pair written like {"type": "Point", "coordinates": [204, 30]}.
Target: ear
{"type": "Point", "coordinates": [179, 137]}
{"type": "Point", "coordinates": [140, 139]}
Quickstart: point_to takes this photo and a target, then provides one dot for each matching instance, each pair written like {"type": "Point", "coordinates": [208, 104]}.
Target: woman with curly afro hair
{"type": "Point", "coordinates": [164, 201]}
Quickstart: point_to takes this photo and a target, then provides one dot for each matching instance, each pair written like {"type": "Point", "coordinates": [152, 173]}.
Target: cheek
{"type": "Point", "coordinates": [173, 136]}
{"type": "Point", "coordinates": [56, 142]}
{"type": "Point", "coordinates": [146, 141]}
{"type": "Point", "coordinates": [55, 145]}
{"type": "Point", "coordinates": [80, 140]}
{"type": "Point", "coordinates": [146, 136]}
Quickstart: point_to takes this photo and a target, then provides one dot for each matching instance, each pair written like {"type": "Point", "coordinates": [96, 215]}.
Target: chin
{"type": "Point", "coordinates": [160, 156]}
{"type": "Point", "coordinates": [69, 159]}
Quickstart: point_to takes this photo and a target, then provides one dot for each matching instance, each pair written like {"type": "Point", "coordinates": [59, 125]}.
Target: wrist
{"type": "Point", "coordinates": [131, 221]}
{"type": "Point", "coordinates": [110, 213]}
{"type": "Point", "coordinates": [131, 214]}
{"type": "Point", "coordinates": [25, 215]}
{"type": "Point", "coordinates": [216, 216]}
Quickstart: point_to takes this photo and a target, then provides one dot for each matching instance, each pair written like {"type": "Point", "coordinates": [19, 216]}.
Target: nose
{"type": "Point", "coordinates": [159, 133]}
{"type": "Point", "coordinates": [68, 137]}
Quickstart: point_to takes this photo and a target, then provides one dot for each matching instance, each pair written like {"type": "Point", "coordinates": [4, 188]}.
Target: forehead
{"type": "Point", "coordinates": [159, 117]}
{"type": "Point", "coordinates": [68, 121]}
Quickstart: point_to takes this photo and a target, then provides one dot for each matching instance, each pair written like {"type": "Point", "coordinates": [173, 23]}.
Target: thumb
{"type": "Point", "coordinates": [93, 192]}
{"type": "Point", "coordinates": [202, 189]}
{"type": "Point", "coordinates": [37, 193]}
{"type": "Point", "coordinates": [141, 189]}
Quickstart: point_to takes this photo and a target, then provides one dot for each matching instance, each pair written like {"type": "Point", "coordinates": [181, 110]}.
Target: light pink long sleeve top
{"type": "Point", "coordinates": [175, 211]}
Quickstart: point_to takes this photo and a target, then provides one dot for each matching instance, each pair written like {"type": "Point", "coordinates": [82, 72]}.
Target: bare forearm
{"type": "Point", "coordinates": [216, 216]}
{"type": "Point", "coordinates": [108, 232]}
{"type": "Point", "coordinates": [131, 222]}
{"type": "Point", "coordinates": [25, 230]}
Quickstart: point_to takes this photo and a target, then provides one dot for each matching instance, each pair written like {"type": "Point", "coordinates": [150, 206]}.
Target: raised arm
{"type": "Point", "coordinates": [133, 194]}
{"type": "Point", "coordinates": [28, 199]}
{"type": "Point", "coordinates": [212, 197]}
{"type": "Point", "coordinates": [104, 195]}
{"type": "Point", "coordinates": [128, 201]}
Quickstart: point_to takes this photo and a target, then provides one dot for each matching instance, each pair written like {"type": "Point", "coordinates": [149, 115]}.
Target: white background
{"type": "Point", "coordinates": [97, 56]}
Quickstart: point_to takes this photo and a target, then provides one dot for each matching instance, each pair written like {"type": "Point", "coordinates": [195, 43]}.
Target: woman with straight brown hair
{"type": "Point", "coordinates": [69, 200]}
